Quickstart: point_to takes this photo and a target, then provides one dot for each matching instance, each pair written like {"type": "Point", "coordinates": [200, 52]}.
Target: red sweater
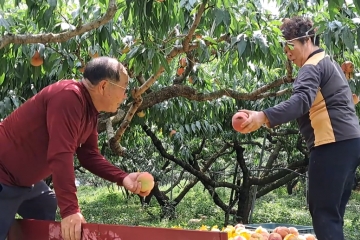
{"type": "Point", "coordinates": [41, 137]}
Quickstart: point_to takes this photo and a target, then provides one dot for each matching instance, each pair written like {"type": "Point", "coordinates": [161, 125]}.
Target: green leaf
{"type": "Point", "coordinates": [357, 5]}
{"type": "Point", "coordinates": [198, 125]}
{"type": "Point", "coordinates": [187, 127]}
{"type": "Point", "coordinates": [352, 86]}
{"type": "Point", "coordinates": [241, 46]}
{"type": "Point", "coordinates": [348, 38]}
{"type": "Point", "coordinates": [193, 127]}
{"type": "Point", "coordinates": [164, 63]}
{"type": "Point", "coordinates": [333, 8]}
{"type": "Point", "coordinates": [2, 109]}
{"type": "Point", "coordinates": [261, 40]}
{"type": "Point", "coordinates": [327, 39]}
{"type": "Point", "coordinates": [7, 102]}
{"type": "Point", "coordinates": [132, 53]}
{"type": "Point", "coordinates": [2, 78]}
{"type": "Point", "coordinates": [358, 37]}
{"type": "Point", "coordinates": [52, 3]}
{"type": "Point", "coordinates": [4, 23]}
{"type": "Point", "coordinates": [339, 2]}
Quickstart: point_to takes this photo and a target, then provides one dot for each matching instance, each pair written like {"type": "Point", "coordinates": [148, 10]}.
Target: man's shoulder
{"type": "Point", "coordinates": [67, 84]}
{"type": "Point", "coordinates": [63, 87]}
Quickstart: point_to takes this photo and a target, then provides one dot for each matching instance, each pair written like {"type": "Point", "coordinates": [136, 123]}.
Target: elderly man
{"type": "Point", "coordinates": [41, 137]}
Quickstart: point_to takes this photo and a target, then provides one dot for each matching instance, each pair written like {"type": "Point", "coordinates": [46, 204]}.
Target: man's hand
{"type": "Point", "coordinates": [254, 121]}
{"type": "Point", "coordinates": [71, 226]}
{"type": "Point", "coordinates": [130, 183]}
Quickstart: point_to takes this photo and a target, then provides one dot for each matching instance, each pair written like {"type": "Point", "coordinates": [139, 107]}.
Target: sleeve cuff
{"type": "Point", "coordinates": [121, 179]}
{"type": "Point", "coordinates": [68, 213]}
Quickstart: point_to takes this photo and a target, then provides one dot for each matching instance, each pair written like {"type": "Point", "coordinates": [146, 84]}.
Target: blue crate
{"type": "Point", "coordinates": [271, 226]}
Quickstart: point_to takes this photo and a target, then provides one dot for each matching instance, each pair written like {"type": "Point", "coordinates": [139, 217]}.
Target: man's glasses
{"type": "Point", "coordinates": [118, 85]}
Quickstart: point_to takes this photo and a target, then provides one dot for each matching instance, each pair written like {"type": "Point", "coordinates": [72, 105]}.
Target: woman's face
{"type": "Point", "coordinates": [297, 52]}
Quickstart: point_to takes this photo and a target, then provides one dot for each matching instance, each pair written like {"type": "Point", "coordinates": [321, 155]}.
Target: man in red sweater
{"type": "Point", "coordinates": [41, 137]}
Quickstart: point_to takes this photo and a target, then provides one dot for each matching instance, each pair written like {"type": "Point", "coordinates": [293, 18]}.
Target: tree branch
{"type": "Point", "coordinates": [194, 26]}
{"type": "Point", "coordinates": [200, 175]}
{"type": "Point", "coordinates": [279, 174]}
{"type": "Point", "coordinates": [186, 189]}
{"type": "Point", "coordinates": [59, 37]}
{"type": "Point", "coordinates": [114, 141]}
{"type": "Point", "coordinates": [218, 201]}
{"type": "Point", "coordinates": [190, 93]}
{"type": "Point", "coordinates": [278, 183]}
{"type": "Point", "coordinates": [273, 156]}
{"type": "Point", "coordinates": [177, 181]}
{"type": "Point", "coordinates": [213, 158]}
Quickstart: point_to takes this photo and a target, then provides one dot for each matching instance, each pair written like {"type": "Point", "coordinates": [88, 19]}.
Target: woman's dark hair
{"type": "Point", "coordinates": [298, 27]}
{"type": "Point", "coordinates": [102, 68]}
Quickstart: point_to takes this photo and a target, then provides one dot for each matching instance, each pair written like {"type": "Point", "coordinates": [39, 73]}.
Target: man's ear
{"type": "Point", "coordinates": [101, 86]}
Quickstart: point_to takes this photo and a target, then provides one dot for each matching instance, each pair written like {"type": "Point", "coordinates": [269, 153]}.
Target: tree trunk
{"type": "Point", "coordinates": [290, 186]}
{"type": "Point", "coordinates": [167, 207]}
{"type": "Point", "coordinates": [244, 204]}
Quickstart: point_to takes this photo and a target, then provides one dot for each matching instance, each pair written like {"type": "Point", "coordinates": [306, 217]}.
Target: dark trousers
{"type": "Point", "coordinates": [331, 176]}
{"type": "Point", "coordinates": [37, 202]}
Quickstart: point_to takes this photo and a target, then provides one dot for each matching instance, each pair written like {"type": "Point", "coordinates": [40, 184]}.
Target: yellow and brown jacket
{"type": "Point", "coordinates": [321, 103]}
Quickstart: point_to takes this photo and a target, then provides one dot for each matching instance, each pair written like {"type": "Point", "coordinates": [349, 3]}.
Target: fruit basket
{"type": "Point", "coordinates": [271, 226]}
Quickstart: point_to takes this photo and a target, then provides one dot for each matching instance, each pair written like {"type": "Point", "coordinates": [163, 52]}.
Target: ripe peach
{"type": "Point", "coordinates": [347, 67]}
{"type": "Point", "coordinates": [180, 71]}
{"type": "Point", "coordinates": [245, 233]}
{"type": "Point", "coordinates": [290, 236]}
{"type": "Point", "coordinates": [263, 232]}
{"type": "Point", "coordinates": [294, 231]}
{"type": "Point", "coordinates": [183, 62]}
{"type": "Point", "coordinates": [172, 132]}
{"type": "Point", "coordinates": [265, 235]}
{"type": "Point", "coordinates": [93, 54]}
{"type": "Point", "coordinates": [238, 119]}
{"type": "Point", "coordinates": [283, 231]}
{"type": "Point", "coordinates": [147, 181]}
{"type": "Point", "coordinates": [309, 236]}
{"type": "Point", "coordinates": [275, 236]}
{"type": "Point", "coordinates": [36, 59]}
{"type": "Point", "coordinates": [191, 81]}
{"type": "Point", "coordinates": [239, 238]}
{"type": "Point", "coordinates": [239, 226]}
{"type": "Point", "coordinates": [256, 236]}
